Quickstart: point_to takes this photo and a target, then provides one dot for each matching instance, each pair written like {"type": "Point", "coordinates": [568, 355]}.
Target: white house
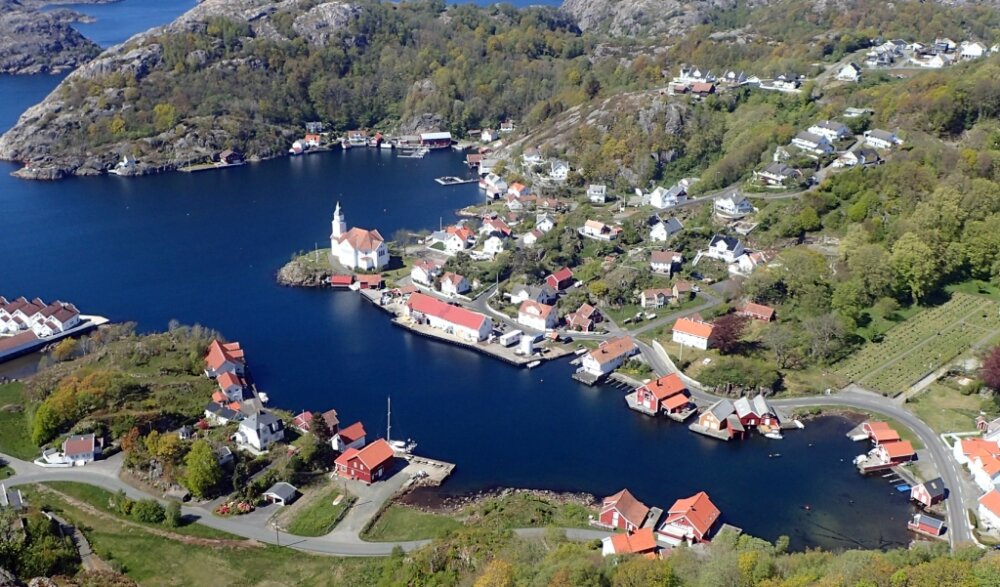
{"type": "Point", "coordinates": [455, 320]}
{"type": "Point", "coordinates": [537, 316]}
{"type": "Point", "coordinates": [812, 143]}
{"type": "Point", "coordinates": [558, 170]}
{"type": "Point", "coordinates": [664, 229]}
{"type": "Point", "coordinates": [357, 248]}
{"type": "Point", "coordinates": [776, 174]}
{"type": "Point", "coordinates": [735, 205]}
{"type": "Point", "coordinates": [745, 264]}
{"type": "Point", "coordinates": [425, 272]}
{"type": "Point", "coordinates": [667, 198]}
{"type": "Point", "coordinates": [608, 356]}
{"type": "Point", "coordinates": [597, 194]}
{"type": "Point", "coordinates": [861, 156]}
{"type": "Point", "coordinates": [260, 431]}
{"type": "Point", "coordinates": [532, 156]}
{"type": "Point", "coordinates": [532, 237]}
{"type": "Point", "coordinates": [989, 510]}
{"type": "Point", "coordinates": [833, 131]}
{"type": "Point", "coordinates": [849, 73]}
{"type": "Point", "coordinates": [492, 183]}
{"type": "Point", "coordinates": [81, 449]}
{"type": "Point", "coordinates": [881, 139]}
{"type": "Point", "coordinates": [600, 231]}
{"type": "Point", "coordinates": [972, 50]}
{"type": "Point", "coordinates": [543, 294]}
{"type": "Point", "coordinates": [488, 135]}
{"type": "Point", "coordinates": [453, 284]}
{"type": "Point", "coordinates": [665, 261]}
{"type": "Point", "coordinates": [544, 222]}
{"type": "Point", "coordinates": [493, 246]}
{"type": "Point", "coordinates": [724, 248]}
{"type": "Point", "coordinates": [692, 333]}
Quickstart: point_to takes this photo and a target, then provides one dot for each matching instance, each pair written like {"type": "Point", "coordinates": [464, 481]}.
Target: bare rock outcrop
{"type": "Point", "coordinates": [34, 41]}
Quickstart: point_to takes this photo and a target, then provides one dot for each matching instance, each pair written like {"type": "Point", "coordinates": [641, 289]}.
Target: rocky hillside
{"type": "Point", "coordinates": [247, 74]}
{"type": "Point", "coordinates": [32, 41]}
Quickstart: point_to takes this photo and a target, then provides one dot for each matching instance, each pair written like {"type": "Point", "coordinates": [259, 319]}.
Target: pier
{"type": "Point", "coordinates": [717, 434]}
{"type": "Point", "coordinates": [27, 342]}
{"type": "Point", "coordinates": [434, 472]}
{"type": "Point", "coordinates": [450, 180]}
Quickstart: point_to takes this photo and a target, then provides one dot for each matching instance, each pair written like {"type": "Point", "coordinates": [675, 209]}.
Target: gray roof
{"type": "Point", "coordinates": [778, 168]}
{"type": "Point", "coordinates": [263, 421]}
{"type": "Point", "coordinates": [11, 498]}
{"type": "Point", "coordinates": [730, 242]}
{"type": "Point", "coordinates": [282, 490]}
{"type": "Point", "coordinates": [882, 134]}
{"type": "Point", "coordinates": [721, 409]}
{"type": "Point", "coordinates": [222, 411]}
{"type": "Point", "coordinates": [810, 137]}
{"type": "Point", "coordinates": [929, 521]}
{"type": "Point", "coordinates": [935, 487]}
{"type": "Point", "coordinates": [837, 127]}
{"type": "Point", "coordinates": [672, 225]}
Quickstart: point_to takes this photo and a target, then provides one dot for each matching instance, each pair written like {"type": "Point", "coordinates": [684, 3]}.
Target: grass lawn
{"type": "Point", "coordinates": [319, 517]}
{"type": "Point", "coordinates": [98, 498]}
{"type": "Point", "coordinates": [524, 510]}
{"type": "Point", "coordinates": [5, 472]}
{"type": "Point", "coordinates": [945, 409]}
{"type": "Point", "coordinates": [976, 288]}
{"type": "Point", "coordinates": [15, 437]}
{"type": "Point", "coordinates": [399, 522]}
{"type": "Point", "coordinates": [154, 561]}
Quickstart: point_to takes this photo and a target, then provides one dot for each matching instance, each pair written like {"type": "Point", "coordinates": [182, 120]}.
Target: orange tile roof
{"type": "Point", "coordinates": [345, 458]}
{"type": "Point", "coordinates": [532, 308]}
{"type": "Point", "coordinates": [665, 386]}
{"type": "Point", "coordinates": [699, 510]}
{"type": "Point", "coordinates": [884, 436]}
{"type": "Point", "coordinates": [694, 328]}
{"type": "Point", "coordinates": [362, 240]}
{"type": "Point", "coordinates": [375, 454]}
{"type": "Point", "coordinates": [218, 397]}
{"type": "Point", "coordinates": [676, 401]}
{"type": "Point", "coordinates": [352, 432]}
{"type": "Point", "coordinates": [642, 540]}
{"type": "Point", "coordinates": [219, 353]}
{"type": "Point", "coordinates": [991, 501]}
{"type": "Point", "coordinates": [612, 349]}
{"type": "Point", "coordinates": [627, 505]}
{"type": "Point", "coordinates": [228, 379]}
{"type": "Point", "coordinates": [431, 306]}
{"type": "Point", "coordinates": [760, 310]}
{"type": "Point", "coordinates": [991, 465]}
{"type": "Point", "coordinates": [898, 449]}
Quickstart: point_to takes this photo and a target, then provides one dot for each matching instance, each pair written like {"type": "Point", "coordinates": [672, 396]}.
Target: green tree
{"type": "Point", "coordinates": [164, 117]}
{"type": "Point", "coordinates": [915, 265]}
{"type": "Point", "coordinates": [45, 424]}
{"type": "Point", "coordinates": [322, 456]}
{"type": "Point", "coordinates": [148, 511]}
{"type": "Point", "coordinates": [172, 516]}
{"type": "Point", "coordinates": [66, 349]}
{"type": "Point", "coordinates": [203, 473]}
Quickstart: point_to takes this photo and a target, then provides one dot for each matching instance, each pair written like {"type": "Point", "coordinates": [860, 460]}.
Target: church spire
{"type": "Point", "coordinates": [339, 226]}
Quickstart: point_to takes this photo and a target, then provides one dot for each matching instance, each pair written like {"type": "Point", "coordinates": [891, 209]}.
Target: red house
{"type": "Point", "coordinates": [561, 279]}
{"type": "Point", "coordinates": [303, 422]}
{"type": "Point", "coordinates": [623, 511]}
{"type": "Point", "coordinates": [757, 312]}
{"type": "Point", "coordinates": [896, 452]}
{"type": "Point", "coordinates": [341, 280]}
{"type": "Point", "coordinates": [690, 520]}
{"type": "Point", "coordinates": [924, 524]}
{"type": "Point", "coordinates": [368, 464]}
{"type": "Point", "coordinates": [654, 394]}
{"type": "Point", "coordinates": [928, 493]}
{"type": "Point", "coordinates": [643, 542]}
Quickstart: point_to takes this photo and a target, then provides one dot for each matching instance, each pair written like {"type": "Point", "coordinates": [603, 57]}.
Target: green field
{"type": "Point", "coordinates": [99, 498]}
{"type": "Point", "coordinates": [946, 409]}
{"type": "Point", "coordinates": [155, 561]}
{"type": "Point", "coordinates": [15, 437]}
{"type": "Point", "coordinates": [922, 343]}
{"type": "Point", "coordinates": [319, 517]}
{"type": "Point", "coordinates": [399, 523]}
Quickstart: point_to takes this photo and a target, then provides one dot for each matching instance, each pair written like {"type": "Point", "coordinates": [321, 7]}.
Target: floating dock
{"type": "Point", "coordinates": [717, 434]}
{"type": "Point", "coordinates": [449, 180]}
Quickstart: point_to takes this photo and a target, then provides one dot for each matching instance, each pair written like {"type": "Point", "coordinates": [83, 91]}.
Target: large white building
{"type": "Point", "coordinates": [538, 316]}
{"type": "Point", "coordinates": [357, 248]}
{"type": "Point", "coordinates": [260, 431]}
{"type": "Point", "coordinates": [455, 320]}
{"type": "Point", "coordinates": [43, 319]}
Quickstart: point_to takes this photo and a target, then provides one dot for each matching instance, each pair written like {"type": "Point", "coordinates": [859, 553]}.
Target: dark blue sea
{"type": "Point", "coordinates": [204, 248]}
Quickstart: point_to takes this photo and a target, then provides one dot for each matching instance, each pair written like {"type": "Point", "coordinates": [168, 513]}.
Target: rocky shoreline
{"type": "Point", "coordinates": [434, 501]}
{"type": "Point", "coordinates": [300, 273]}
{"type": "Point", "coordinates": [33, 41]}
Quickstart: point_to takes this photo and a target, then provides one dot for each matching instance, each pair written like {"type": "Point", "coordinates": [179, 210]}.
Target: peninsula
{"type": "Point", "coordinates": [33, 41]}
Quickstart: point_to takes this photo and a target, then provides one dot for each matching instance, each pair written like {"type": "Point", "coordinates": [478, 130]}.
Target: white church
{"type": "Point", "coordinates": [357, 248]}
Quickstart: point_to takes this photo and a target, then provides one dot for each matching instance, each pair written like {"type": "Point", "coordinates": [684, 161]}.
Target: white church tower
{"type": "Point", "coordinates": [339, 228]}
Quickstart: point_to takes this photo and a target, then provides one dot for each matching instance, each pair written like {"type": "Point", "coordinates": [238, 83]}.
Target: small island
{"type": "Point", "coordinates": [34, 41]}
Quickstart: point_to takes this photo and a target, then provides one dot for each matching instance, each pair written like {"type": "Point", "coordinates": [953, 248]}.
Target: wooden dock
{"type": "Point", "coordinates": [699, 429]}
{"type": "Point", "coordinates": [436, 471]}
{"type": "Point", "coordinates": [586, 378]}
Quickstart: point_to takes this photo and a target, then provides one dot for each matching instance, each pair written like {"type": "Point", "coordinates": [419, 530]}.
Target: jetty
{"type": "Point", "coordinates": [434, 472]}
{"type": "Point", "coordinates": [411, 153]}
{"type": "Point", "coordinates": [450, 180]}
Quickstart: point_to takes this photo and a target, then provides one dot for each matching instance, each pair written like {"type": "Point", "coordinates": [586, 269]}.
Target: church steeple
{"type": "Point", "coordinates": [339, 226]}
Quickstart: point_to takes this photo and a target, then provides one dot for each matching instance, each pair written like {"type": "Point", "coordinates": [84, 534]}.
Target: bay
{"type": "Point", "coordinates": [205, 247]}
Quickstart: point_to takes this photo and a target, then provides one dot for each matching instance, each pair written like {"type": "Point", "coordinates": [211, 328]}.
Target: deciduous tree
{"type": "Point", "coordinates": [727, 332]}
{"type": "Point", "coordinates": [203, 472]}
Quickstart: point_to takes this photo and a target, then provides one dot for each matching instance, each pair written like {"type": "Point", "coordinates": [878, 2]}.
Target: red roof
{"type": "Point", "coordinates": [345, 458]}
{"type": "Point", "coordinates": [699, 510]}
{"type": "Point", "coordinates": [991, 501]}
{"type": "Point", "coordinates": [639, 542]}
{"type": "Point", "coordinates": [633, 510]}
{"type": "Point", "coordinates": [341, 280]}
{"type": "Point", "coordinates": [694, 328]}
{"type": "Point", "coordinates": [665, 386]}
{"type": "Point", "coordinates": [229, 379]}
{"type": "Point", "coordinates": [219, 397]}
{"type": "Point", "coordinates": [610, 350]}
{"type": "Point", "coordinates": [352, 432]}
{"type": "Point", "coordinates": [758, 311]}
{"type": "Point", "coordinates": [532, 308]}
{"type": "Point", "coordinates": [219, 353]}
{"type": "Point", "coordinates": [375, 454]}
{"type": "Point", "coordinates": [898, 449]}
{"type": "Point", "coordinates": [76, 445]}
{"type": "Point", "coordinates": [303, 420]}
{"type": "Point", "coordinates": [563, 274]}
{"type": "Point", "coordinates": [676, 401]}
{"type": "Point", "coordinates": [369, 280]}
{"type": "Point", "coordinates": [431, 306]}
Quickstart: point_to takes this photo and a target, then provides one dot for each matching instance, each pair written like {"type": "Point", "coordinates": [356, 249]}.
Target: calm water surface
{"type": "Point", "coordinates": [205, 247]}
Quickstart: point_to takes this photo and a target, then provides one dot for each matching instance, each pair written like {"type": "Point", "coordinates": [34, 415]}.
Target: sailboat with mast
{"type": "Point", "coordinates": [400, 446]}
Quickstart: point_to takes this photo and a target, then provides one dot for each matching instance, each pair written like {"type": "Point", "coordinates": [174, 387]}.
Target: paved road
{"type": "Point", "coordinates": [343, 541]}
{"type": "Point", "coordinates": [960, 531]}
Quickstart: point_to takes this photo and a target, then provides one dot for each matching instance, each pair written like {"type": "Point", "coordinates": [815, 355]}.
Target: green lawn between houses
{"type": "Point", "coordinates": [319, 517]}
{"type": "Point", "coordinates": [399, 522]}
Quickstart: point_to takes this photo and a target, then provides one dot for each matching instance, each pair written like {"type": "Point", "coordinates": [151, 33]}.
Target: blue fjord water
{"type": "Point", "coordinates": [204, 248]}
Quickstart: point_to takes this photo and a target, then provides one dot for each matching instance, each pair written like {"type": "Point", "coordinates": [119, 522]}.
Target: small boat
{"type": "Point", "coordinates": [774, 455]}
{"type": "Point", "coordinates": [579, 352]}
{"type": "Point", "coordinates": [533, 364]}
{"type": "Point", "coordinates": [385, 145]}
{"type": "Point", "coordinates": [774, 434]}
{"type": "Point", "coordinates": [902, 487]}
{"type": "Point", "coordinates": [403, 446]}
{"type": "Point", "coordinates": [859, 459]}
